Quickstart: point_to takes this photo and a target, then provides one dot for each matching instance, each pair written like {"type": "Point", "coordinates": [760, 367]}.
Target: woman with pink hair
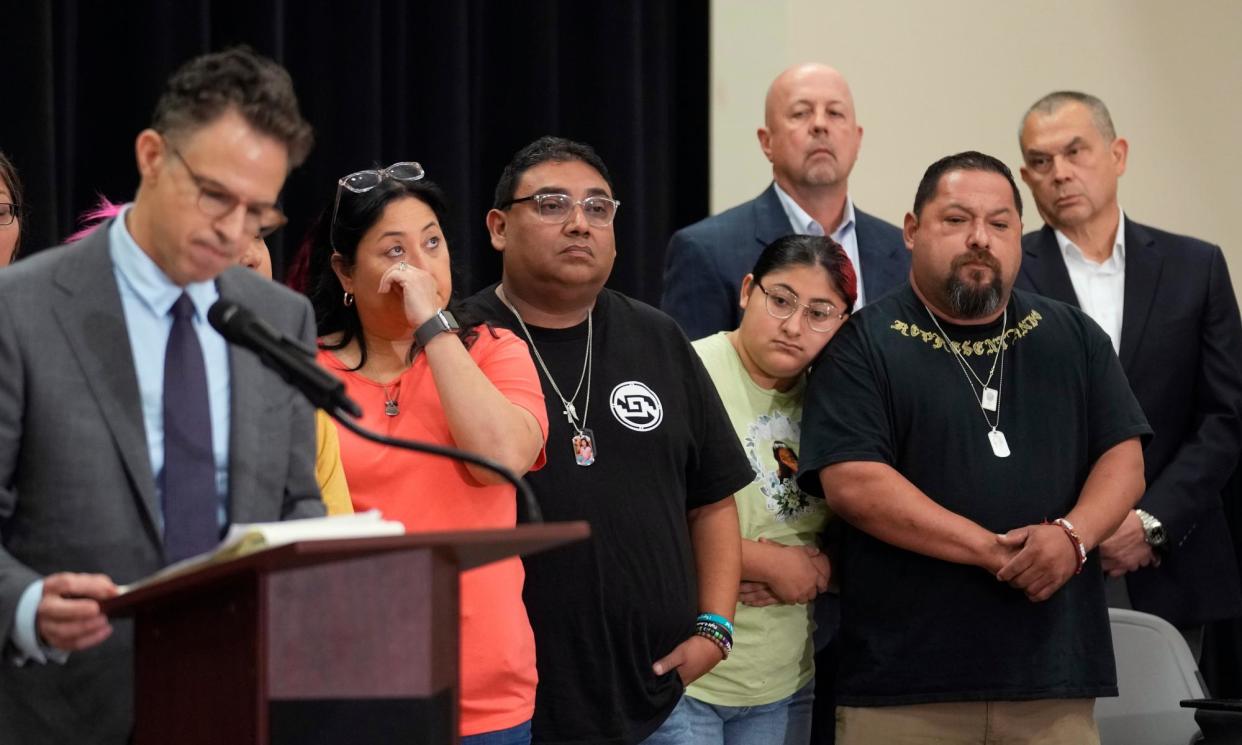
{"type": "Point", "coordinates": [254, 256]}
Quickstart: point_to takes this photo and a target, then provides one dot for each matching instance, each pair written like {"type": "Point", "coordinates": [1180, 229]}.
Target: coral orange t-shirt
{"type": "Point", "coordinates": [429, 493]}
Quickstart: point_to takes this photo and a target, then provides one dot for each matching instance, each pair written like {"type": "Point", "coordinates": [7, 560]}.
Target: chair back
{"type": "Point", "coordinates": [1155, 671]}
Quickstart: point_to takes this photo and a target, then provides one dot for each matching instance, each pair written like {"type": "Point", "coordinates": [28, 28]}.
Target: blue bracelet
{"type": "Point", "coordinates": [716, 619]}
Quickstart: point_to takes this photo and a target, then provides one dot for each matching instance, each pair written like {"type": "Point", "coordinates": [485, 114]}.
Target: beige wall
{"type": "Point", "coordinates": [932, 78]}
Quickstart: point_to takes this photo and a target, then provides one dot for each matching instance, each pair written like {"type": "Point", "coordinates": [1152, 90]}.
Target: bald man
{"type": "Point", "coordinates": [811, 137]}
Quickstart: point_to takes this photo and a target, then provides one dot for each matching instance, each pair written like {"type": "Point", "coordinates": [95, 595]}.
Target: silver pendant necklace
{"type": "Point", "coordinates": [583, 441]}
{"type": "Point", "coordinates": [990, 398]}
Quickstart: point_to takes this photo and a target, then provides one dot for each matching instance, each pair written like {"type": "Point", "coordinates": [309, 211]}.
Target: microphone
{"type": "Point", "coordinates": [289, 358]}
{"type": "Point", "coordinates": [295, 363]}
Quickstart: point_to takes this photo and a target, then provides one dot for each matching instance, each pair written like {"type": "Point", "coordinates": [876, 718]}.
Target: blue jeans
{"type": "Point", "coordinates": [784, 722]}
{"type": "Point", "coordinates": [519, 735]}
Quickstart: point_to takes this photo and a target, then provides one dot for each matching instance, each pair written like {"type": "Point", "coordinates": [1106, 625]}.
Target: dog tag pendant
{"type": "Point", "coordinates": [584, 447]}
{"type": "Point", "coordinates": [989, 399]}
{"type": "Point", "coordinates": [1000, 447]}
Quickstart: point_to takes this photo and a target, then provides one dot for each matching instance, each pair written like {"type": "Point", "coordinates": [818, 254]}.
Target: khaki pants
{"type": "Point", "coordinates": [1046, 722]}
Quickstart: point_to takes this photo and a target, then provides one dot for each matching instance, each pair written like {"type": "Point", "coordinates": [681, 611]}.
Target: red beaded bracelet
{"type": "Point", "coordinates": [1079, 547]}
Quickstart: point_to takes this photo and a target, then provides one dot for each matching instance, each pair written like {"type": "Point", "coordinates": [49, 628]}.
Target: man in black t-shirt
{"type": "Point", "coordinates": [959, 426]}
{"type": "Point", "coordinates": [639, 445]}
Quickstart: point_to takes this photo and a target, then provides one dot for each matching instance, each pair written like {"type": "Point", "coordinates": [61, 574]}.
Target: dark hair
{"type": "Point", "coordinates": [8, 174]}
{"type": "Point", "coordinates": [542, 150]}
{"type": "Point", "coordinates": [811, 250]}
{"type": "Point", "coordinates": [971, 160]}
{"type": "Point", "coordinates": [356, 214]}
{"type": "Point", "coordinates": [262, 92]}
{"type": "Point", "coordinates": [1055, 100]}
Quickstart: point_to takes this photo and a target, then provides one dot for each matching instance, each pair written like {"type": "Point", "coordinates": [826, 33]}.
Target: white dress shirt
{"type": "Point", "coordinates": [1100, 287]}
{"type": "Point", "coordinates": [804, 224]}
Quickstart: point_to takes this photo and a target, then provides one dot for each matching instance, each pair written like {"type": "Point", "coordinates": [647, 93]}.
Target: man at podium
{"type": "Point", "coordinates": [130, 434]}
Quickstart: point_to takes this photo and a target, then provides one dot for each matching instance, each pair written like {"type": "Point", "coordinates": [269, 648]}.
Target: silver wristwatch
{"type": "Point", "coordinates": [1153, 529]}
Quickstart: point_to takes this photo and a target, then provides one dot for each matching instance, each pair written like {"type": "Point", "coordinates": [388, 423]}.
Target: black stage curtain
{"type": "Point", "coordinates": [458, 86]}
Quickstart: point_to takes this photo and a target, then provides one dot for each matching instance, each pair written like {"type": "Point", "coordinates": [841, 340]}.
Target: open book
{"type": "Point", "coordinates": [247, 538]}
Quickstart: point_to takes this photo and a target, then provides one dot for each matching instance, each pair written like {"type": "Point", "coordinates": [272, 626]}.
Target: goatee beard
{"type": "Point", "coordinates": [973, 301]}
{"type": "Point", "coordinates": [968, 300]}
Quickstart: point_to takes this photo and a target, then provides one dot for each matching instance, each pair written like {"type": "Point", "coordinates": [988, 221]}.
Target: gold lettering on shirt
{"type": "Point", "coordinates": [983, 347]}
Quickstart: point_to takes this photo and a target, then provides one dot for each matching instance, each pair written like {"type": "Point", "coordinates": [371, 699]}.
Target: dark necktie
{"type": "Point", "coordinates": [189, 476]}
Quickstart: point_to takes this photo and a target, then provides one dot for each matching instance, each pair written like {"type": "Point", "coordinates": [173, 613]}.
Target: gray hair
{"type": "Point", "coordinates": [1055, 100]}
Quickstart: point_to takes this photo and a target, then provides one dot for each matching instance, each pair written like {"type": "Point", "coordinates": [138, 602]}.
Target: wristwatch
{"type": "Point", "coordinates": [441, 322]}
{"type": "Point", "coordinates": [1153, 529]}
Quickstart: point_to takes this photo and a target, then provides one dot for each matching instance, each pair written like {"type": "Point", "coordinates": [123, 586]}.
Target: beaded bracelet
{"type": "Point", "coordinates": [1080, 549]}
{"type": "Point", "coordinates": [715, 618]}
{"type": "Point", "coordinates": [715, 630]}
{"type": "Point", "coordinates": [717, 634]}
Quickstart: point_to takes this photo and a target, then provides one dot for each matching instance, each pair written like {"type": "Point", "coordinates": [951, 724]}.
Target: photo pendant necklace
{"type": "Point", "coordinates": [989, 400]}
{"type": "Point", "coordinates": [583, 441]}
{"type": "Point", "coordinates": [390, 399]}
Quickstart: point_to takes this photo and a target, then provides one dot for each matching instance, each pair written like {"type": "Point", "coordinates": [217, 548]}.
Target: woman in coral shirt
{"type": "Point", "coordinates": [379, 279]}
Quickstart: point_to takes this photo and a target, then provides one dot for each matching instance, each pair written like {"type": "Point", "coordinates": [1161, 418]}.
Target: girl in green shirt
{"type": "Point", "coordinates": [801, 290]}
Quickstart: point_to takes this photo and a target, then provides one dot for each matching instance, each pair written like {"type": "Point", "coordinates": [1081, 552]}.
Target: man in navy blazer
{"type": "Point", "coordinates": [1167, 302]}
{"type": "Point", "coordinates": [811, 137]}
{"type": "Point", "coordinates": [93, 451]}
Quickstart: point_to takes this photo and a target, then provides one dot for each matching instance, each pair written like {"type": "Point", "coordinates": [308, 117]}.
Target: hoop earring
{"type": "Point", "coordinates": [349, 299]}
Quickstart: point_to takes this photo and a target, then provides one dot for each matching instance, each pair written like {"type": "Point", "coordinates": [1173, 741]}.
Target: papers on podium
{"type": "Point", "coordinates": [247, 538]}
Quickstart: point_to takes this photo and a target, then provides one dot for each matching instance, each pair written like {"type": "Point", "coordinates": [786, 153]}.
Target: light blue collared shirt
{"type": "Point", "coordinates": [803, 224]}
{"type": "Point", "coordinates": [147, 297]}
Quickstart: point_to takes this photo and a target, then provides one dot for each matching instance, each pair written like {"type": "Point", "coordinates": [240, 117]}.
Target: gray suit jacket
{"type": "Point", "coordinates": [706, 261]}
{"type": "Point", "coordinates": [76, 488]}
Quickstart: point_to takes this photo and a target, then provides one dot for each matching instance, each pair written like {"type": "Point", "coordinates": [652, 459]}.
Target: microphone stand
{"type": "Point", "coordinates": [533, 513]}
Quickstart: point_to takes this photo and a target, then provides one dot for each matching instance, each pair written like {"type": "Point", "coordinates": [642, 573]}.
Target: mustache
{"type": "Point", "coordinates": [978, 257]}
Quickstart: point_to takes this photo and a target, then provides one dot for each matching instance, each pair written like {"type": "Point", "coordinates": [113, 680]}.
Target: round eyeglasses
{"type": "Point", "coordinates": [821, 315]}
{"type": "Point", "coordinates": [360, 182]}
{"type": "Point", "coordinates": [599, 211]}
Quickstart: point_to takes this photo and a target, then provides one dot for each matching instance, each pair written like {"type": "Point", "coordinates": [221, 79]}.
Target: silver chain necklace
{"type": "Point", "coordinates": [990, 399]}
{"type": "Point", "coordinates": [583, 441]}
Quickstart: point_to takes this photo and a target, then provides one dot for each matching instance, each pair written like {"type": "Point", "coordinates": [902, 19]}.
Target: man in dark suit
{"type": "Point", "coordinates": [1167, 302]}
{"type": "Point", "coordinates": [811, 137]}
{"type": "Point", "coordinates": [131, 434]}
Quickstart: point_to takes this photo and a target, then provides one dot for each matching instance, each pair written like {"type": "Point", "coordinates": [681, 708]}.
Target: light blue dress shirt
{"type": "Point", "coordinates": [803, 224]}
{"type": "Point", "coordinates": [147, 297]}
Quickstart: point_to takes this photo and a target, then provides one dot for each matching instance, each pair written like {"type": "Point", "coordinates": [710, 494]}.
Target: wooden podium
{"type": "Point", "coordinates": [316, 642]}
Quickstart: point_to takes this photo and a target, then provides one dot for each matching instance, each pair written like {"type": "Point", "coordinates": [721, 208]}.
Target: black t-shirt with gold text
{"type": "Point", "coordinates": [889, 390]}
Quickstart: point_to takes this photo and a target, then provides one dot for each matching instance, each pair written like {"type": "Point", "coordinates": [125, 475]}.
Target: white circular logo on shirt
{"type": "Point", "coordinates": [636, 406]}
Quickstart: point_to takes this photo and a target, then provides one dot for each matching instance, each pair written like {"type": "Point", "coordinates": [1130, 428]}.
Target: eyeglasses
{"type": "Point", "coordinates": [599, 211]}
{"type": "Point", "coordinates": [9, 212]}
{"type": "Point", "coordinates": [820, 314]}
{"type": "Point", "coordinates": [216, 202]}
{"type": "Point", "coordinates": [360, 182]}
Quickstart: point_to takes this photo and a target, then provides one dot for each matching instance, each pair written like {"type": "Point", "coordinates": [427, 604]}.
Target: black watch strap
{"type": "Point", "coordinates": [439, 323]}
